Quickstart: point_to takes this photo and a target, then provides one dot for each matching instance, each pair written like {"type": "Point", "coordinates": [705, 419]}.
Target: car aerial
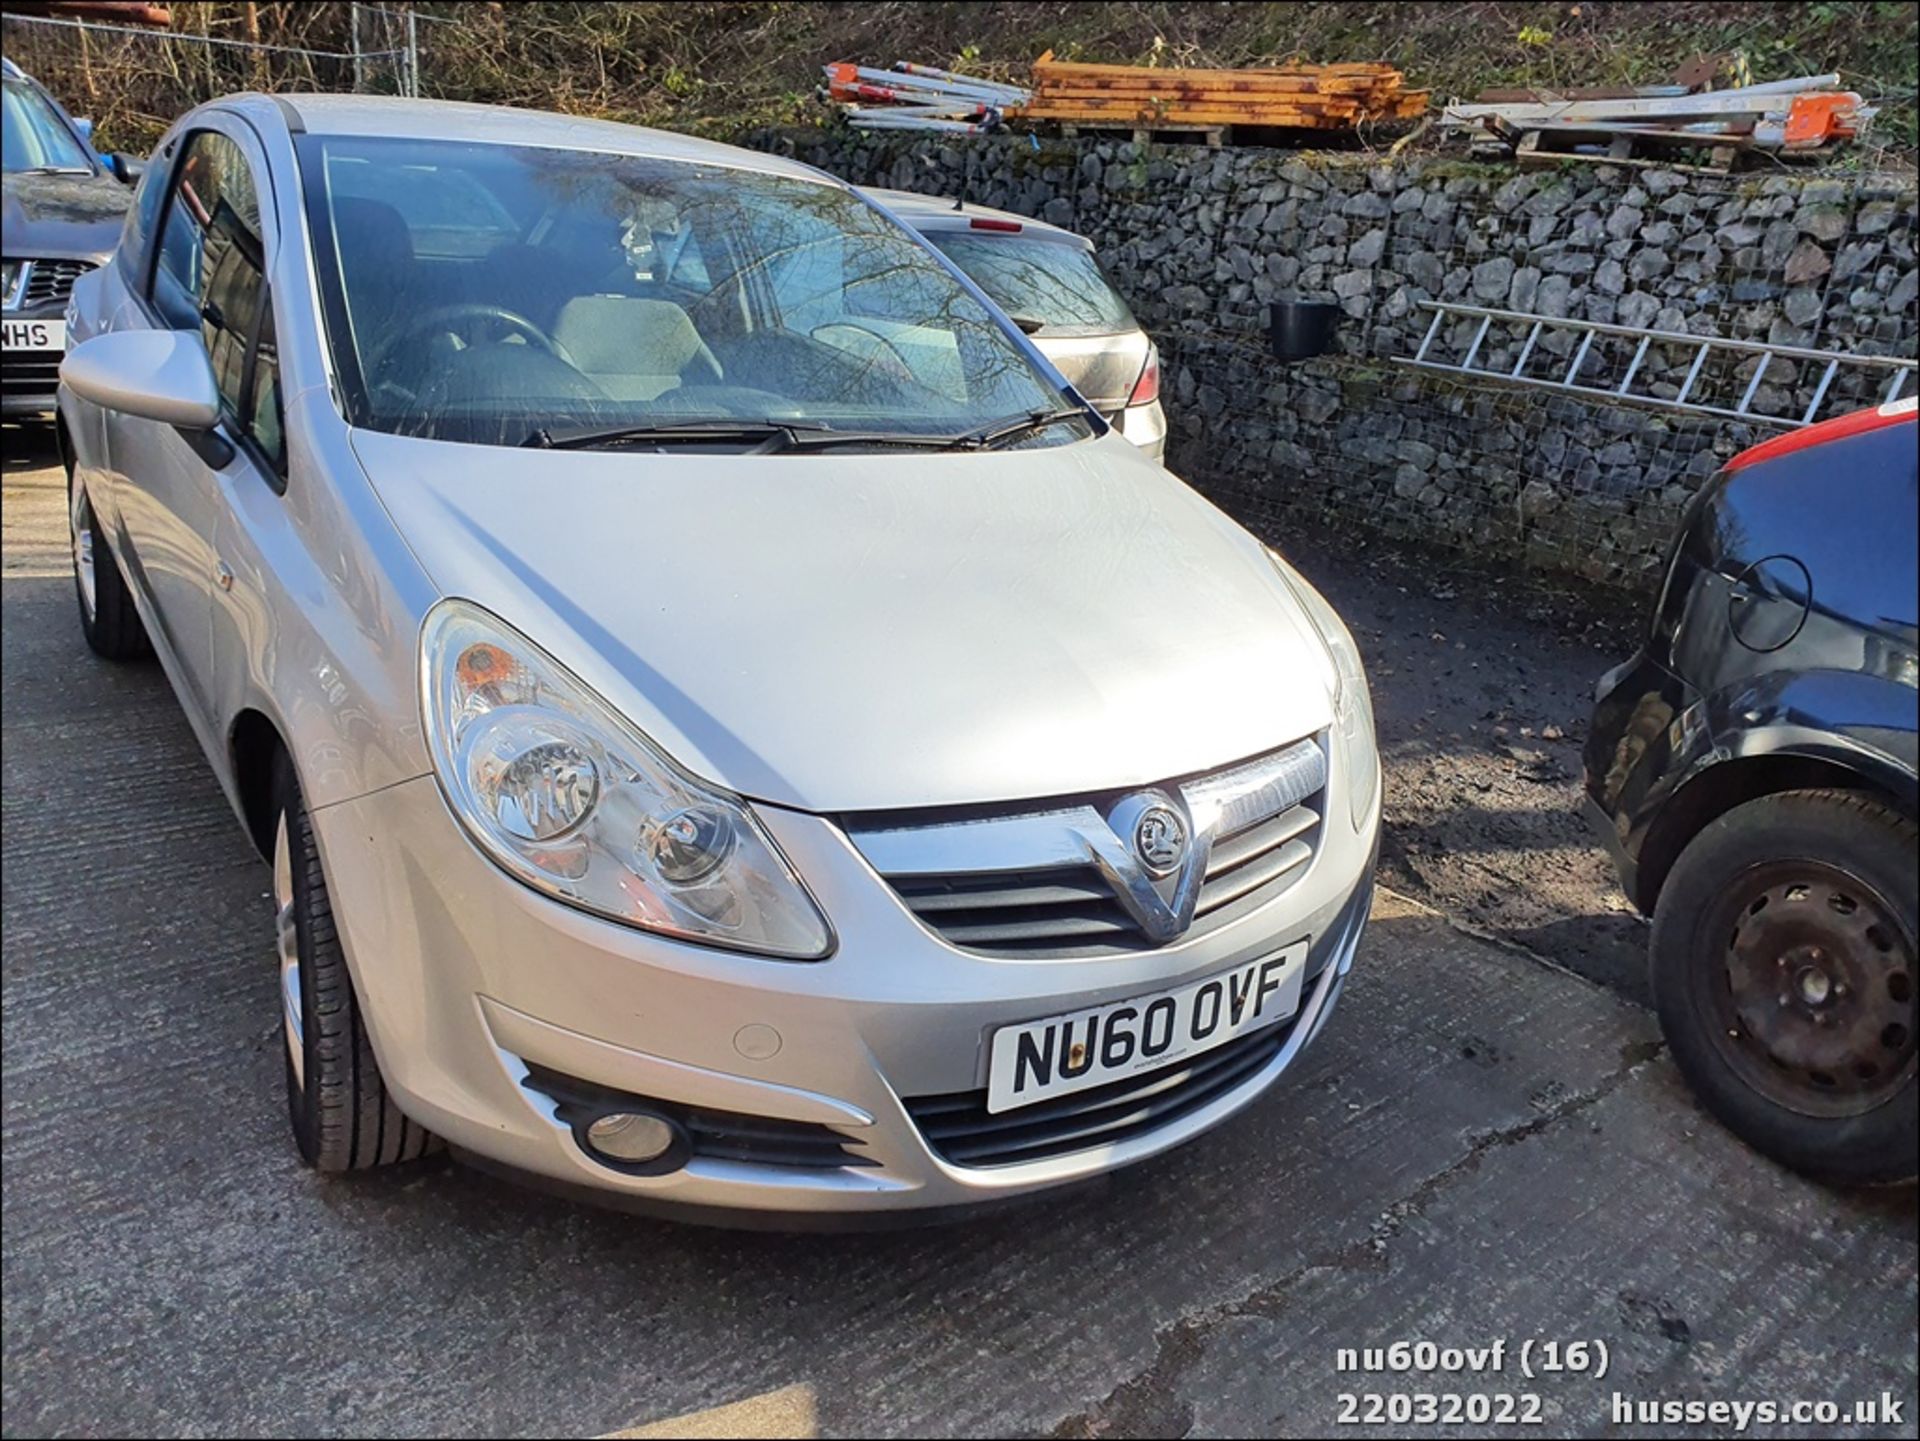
{"type": "Point", "coordinates": [64, 207]}
{"type": "Point", "coordinates": [1049, 282]}
{"type": "Point", "coordinates": [730, 729]}
{"type": "Point", "coordinates": [1753, 768]}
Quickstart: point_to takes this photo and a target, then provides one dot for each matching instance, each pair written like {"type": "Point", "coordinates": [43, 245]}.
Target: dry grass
{"type": "Point", "coordinates": [720, 68]}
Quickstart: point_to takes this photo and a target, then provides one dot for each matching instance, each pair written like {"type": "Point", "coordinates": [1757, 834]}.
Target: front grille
{"type": "Point", "coordinates": [50, 282]}
{"type": "Point", "coordinates": [963, 1132]}
{"type": "Point", "coordinates": [30, 370]}
{"type": "Point", "coordinates": [1067, 907]}
{"type": "Point", "coordinates": [715, 1135]}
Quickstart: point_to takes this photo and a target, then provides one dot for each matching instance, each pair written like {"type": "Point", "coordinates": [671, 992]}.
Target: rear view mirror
{"type": "Point", "coordinates": [161, 375]}
{"type": "Point", "coordinates": [127, 169]}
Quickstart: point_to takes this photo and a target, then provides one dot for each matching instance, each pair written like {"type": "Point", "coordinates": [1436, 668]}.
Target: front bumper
{"type": "Point", "coordinates": [29, 379]}
{"type": "Point", "coordinates": [472, 984]}
{"type": "Point", "coordinates": [1647, 733]}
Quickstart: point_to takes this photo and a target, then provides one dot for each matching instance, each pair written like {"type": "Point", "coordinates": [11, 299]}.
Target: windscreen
{"type": "Point", "coordinates": [32, 137]}
{"type": "Point", "coordinates": [485, 293]}
{"type": "Point", "coordinates": [1049, 284]}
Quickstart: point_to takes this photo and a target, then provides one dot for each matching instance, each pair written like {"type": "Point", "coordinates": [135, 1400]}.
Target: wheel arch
{"type": "Point", "coordinates": [254, 744]}
{"type": "Point", "coordinates": [1748, 776]}
{"type": "Point", "coordinates": [63, 443]}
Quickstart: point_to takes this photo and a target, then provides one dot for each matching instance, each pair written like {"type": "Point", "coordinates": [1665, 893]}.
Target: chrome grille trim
{"type": "Point", "coordinates": [1061, 881]}
{"type": "Point", "coordinates": [1231, 800]}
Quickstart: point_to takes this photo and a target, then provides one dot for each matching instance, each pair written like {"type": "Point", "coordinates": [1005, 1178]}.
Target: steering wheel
{"type": "Point", "coordinates": [468, 320]}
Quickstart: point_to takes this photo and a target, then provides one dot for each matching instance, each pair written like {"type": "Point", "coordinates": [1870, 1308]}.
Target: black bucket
{"type": "Point", "coordinates": [1301, 329]}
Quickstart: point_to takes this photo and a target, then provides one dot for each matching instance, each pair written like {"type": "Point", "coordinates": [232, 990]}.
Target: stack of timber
{"type": "Point", "coordinates": [1291, 97]}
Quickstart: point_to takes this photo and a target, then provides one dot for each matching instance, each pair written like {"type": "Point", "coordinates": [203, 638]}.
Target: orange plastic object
{"type": "Point", "coordinates": [1819, 116]}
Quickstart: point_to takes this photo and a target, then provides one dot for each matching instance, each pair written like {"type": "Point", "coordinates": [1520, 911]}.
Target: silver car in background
{"type": "Point", "coordinates": [1050, 284]}
{"type": "Point", "coordinates": [732, 732]}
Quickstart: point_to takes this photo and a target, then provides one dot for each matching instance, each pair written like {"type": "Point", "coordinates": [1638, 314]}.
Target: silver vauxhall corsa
{"type": "Point", "coordinates": [732, 730]}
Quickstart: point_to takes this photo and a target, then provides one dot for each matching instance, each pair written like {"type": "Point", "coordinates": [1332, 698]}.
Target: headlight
{"type": "Point", "coordinates": [569, 797]}
{"type": "Point", "coordinates": [12, 272]}
{"type": "Point", "coordinates": [1352, 702]}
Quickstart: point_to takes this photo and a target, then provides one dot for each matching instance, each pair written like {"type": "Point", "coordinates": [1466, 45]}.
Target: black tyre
{"type": "Point", "coordinates": [1783, 971]}
{"type": "Point", "coordinates": [343, 1118]}
{"type": "Point", "coordinates": [107, 617]}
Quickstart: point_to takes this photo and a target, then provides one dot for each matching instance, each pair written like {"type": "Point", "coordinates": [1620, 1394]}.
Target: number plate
{"type": "Point", "coordinates": [33, 335]}
{"type": "Point", "coordinates": [1039, 1060]}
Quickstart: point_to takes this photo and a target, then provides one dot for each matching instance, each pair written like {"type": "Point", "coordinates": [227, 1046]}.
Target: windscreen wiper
{"type": "Point", "coordinates": [664, 432]}
{"type": "Point", "coordinates": [1001, 431]}
{"type": "Point", "coordinates": [52, 170]}
{"type": "Point", "coordinates": [772, 435]}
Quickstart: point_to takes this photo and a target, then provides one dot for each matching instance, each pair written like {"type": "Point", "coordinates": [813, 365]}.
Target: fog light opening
{"type": "Point", "coordinates": [640, 1143]}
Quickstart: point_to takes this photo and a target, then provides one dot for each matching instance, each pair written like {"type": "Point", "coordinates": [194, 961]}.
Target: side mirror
{"type": "Point", "coordinates": [161, 375]}
{"type": "Point", "coordinates": [85, 127]}
{"type": "Point", "coordinates": [127, 169]}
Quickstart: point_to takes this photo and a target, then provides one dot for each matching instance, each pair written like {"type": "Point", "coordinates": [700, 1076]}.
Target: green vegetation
{"type": "Point", "coordinates": [722, 68]}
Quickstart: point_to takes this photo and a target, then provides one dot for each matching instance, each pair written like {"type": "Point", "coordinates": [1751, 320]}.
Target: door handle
{"type": "Point", "coordinates": [222, 576]}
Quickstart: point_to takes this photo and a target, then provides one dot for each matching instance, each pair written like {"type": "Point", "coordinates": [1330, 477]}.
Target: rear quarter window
{"type": "Point", "coordinates": [1056, 283]}
{"type": "Point", "coordinates": [448, 214]}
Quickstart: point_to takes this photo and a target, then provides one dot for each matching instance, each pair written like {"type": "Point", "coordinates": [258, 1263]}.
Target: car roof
{"type": "Point", "coordinates": [1840, 427]}
{"type": "Point", "coordinates": [10, 70]}
{"type": "Point", "coordinates": [934, 212]}
{"type": "Point", "coordinates": [392, 116]}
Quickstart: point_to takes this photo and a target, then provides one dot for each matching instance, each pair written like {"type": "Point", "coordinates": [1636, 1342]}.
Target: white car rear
{"type": "Point", "coordinates": [1050, 284]}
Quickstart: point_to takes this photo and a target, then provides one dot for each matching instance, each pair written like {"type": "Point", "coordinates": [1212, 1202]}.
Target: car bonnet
{"type": "Point", "coordinates": [856, 631]}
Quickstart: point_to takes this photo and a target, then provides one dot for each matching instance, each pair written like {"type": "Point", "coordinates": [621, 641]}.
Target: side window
{"type": "Point", "coordinates": [144, 212]}
{"type": "Point", "coordinates": [232, 282]}
{"type": "Point", "coordinates": [268, 421]}
{"type": "Point", "coordinates": [211, 225]}
{"type": "Point", "coordinates": [686, 267]}
{"type": "Point", "coordinates": [210, 275]}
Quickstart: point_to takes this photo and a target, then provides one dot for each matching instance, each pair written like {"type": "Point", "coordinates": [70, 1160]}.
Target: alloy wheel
{"type": "Point", "coordinates": [80, 523]}
{"type": "Point", "coordinates": [287, 942]}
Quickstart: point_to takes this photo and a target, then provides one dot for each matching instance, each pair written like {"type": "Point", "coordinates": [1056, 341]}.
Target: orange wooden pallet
{"type": "Point", "coordinates": [1308, 97]}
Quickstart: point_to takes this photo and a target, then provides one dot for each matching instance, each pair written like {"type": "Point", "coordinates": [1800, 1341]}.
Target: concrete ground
{"type": "Point", "coordinates": [1485, 1146]}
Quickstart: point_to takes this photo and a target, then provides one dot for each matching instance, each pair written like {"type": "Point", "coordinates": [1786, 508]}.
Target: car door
{"type": "Point", "coordinates": [206, 275]}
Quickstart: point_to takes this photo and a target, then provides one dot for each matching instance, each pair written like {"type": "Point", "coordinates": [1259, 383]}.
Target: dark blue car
{"type": "Point", "coordinates": [1754, 769]}
{"type": "Point", "coordinates": [61, 210]}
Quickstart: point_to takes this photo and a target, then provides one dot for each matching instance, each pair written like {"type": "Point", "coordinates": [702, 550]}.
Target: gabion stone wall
{"type": "Point", "coordinates": [1200, 240]}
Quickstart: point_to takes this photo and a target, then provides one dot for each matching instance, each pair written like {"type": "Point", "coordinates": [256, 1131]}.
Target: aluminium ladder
{"type": "Point", "coordinates": [1833, 361]}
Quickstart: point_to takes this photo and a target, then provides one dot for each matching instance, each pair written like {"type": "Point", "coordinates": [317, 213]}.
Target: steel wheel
{"type": "Point", "coordinates": [287, 941]}
{"type": "Point", "coordinates": [1814, 992]}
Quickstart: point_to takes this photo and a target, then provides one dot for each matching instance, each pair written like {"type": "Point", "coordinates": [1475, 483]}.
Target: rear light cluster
{"type": "Point", "coordinates": [1146, 389]}
{"type": "Point", "coordinates": [981, 222]}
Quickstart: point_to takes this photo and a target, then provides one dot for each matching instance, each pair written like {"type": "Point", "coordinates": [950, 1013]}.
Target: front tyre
{"type": "Point", "coordinates": [107, 617]}
{"type": "Point", "coordinates": [1783, 972]}
{"type": "Point", "coordinates": [343, 1119]}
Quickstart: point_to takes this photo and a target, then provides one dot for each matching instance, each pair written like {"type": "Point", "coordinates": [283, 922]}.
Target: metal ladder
{"type": "Point", "coordinates": [1834, 362]}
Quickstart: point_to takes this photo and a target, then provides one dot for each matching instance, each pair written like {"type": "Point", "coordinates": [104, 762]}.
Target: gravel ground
{"type": "Point", "coordinates": [1482, 685]}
